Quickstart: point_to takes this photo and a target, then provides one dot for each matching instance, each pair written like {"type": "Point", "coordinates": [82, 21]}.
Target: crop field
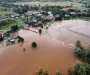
{"type": "Point", "coordinates": [51, 3]}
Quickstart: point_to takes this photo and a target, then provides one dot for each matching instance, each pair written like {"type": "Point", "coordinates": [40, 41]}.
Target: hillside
{"type": "Point", "coordinates": [36, 0]}
{"type": "Point", "coordinates": [86, 1]}
{"type": "Point", "coordinates": [16, 0]}
{"type": "Point", "coordinates": [40, 0]}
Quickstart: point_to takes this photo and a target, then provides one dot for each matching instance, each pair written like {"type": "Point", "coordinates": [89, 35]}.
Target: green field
{"type": "Point", "coordinates": [51, 3]}
{"type": "Point", "coordinates": [3, 13]}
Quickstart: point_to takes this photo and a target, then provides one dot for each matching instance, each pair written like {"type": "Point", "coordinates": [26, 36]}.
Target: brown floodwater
{"type": "Point", "coordinates": [48, 55]}
{"type": "Point", "coordinates": [70, 31]}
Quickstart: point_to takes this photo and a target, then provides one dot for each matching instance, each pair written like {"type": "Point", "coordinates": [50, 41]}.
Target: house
{"type": "Point", "coordinates": [1, 20]}
{"type": "Point", "coordinates": [1, 34]}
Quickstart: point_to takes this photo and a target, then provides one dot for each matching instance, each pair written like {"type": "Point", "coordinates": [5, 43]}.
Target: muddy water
{"type": "Point", "coordinates": [70, 31]}
{"type": "Point", "coordinates": [48, 55]}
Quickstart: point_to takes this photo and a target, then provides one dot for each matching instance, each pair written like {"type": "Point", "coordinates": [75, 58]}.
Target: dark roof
{"type": "Point", "coordinates": [2, 20]}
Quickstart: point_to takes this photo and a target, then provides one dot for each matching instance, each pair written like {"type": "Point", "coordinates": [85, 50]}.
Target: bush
{"type": "Point", "coordinates": [34, 44]}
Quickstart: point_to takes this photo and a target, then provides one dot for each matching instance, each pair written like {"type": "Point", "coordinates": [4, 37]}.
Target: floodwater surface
{"type": "Point", "coordinates": [51, 53]}
{"type": "Point", "coordinates": [48, 55]}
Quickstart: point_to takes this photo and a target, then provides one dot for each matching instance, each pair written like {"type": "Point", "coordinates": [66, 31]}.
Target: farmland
{"type": "Point", "coordinates": [51, 3]}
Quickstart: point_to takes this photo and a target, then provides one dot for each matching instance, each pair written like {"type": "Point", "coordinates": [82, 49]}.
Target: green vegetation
{"type": "Point", "coordinates": [1, 38]}
{"type": "Point", "coordinates": [21, 10]}
{"type": "Point", "coordinates": [6, 11]}
{"type": "Point", "coordinates": [51, 3]}
{"type": "Point", "coordinates": [80, 69]}
{"type": "Point", "coordinates": [82, 52]}
{"type": "Point", "coordinates": [14, 28]}
{"type": "Point", "coordinates": [45, 72]}
{"type": "Point", "coordinates": [37, 21]}
{"type": "Point", "coordinates": [8, 23]}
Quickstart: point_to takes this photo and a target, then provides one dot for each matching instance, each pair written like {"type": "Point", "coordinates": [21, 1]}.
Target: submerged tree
{"type": "Point", "coordinates": [78, 44]}
{"type": "Point", "coordinates": [34, 44]}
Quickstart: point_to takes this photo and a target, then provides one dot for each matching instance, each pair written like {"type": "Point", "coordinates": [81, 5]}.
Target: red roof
{"type": "Point", "coordinates": [1, 33]}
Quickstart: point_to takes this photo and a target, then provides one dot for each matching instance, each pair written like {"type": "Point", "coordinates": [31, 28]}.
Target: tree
{"type": "Point", "coordinates": [34, 45]}
{"type": "Point", "coordinates": [88, 12]}
{"type": "Point", "coordinates": [21, 9]}
{"type": "Point", "coordinates": [1, 38]}
{"type": "Point", "coordinates": [78, 44]}
{"type": "Point", "coordinates": [20, 39]}
{"type": "Point", "coordinates": [14, 28]}
{"type": "Point", "coordinates": [82, 52]}
{"type": "Point", "coordinates": [80, 69]}
{"type": "Point", "coordinates": [42, 72]}
{"type": "Point", "coordinates": [58, 73]}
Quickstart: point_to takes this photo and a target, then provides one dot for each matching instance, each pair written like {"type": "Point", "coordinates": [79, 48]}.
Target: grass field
{"type": "Point", "coordinates": [3, 13]}
{"type": "Point", "coordinates": [52, 3]}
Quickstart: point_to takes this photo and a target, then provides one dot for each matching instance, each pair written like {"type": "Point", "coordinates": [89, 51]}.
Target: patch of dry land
{"type": "Point", "coordinates": [52, 53]}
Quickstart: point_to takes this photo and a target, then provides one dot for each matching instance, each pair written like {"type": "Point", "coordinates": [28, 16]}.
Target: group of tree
{"type": "Point", "coordinates": [20, 39]}
{"type": "Point", "coordinates": [82, 52]}
{"type": "Point", "coordinates": [36, 20]}
{"type": "Point", "coordinates": [84, 67]}
{"type": "Point", "coordinates": [21, 9]}
{"type": "Point", "coordinates": [79, 69]}
{"type": "Point", "coordinates": [41, 71]}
